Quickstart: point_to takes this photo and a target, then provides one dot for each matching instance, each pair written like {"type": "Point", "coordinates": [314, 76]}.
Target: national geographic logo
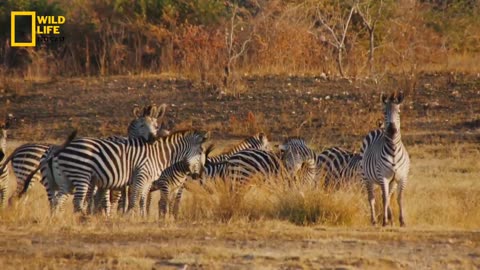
{"type": "Point", "coordinates": [27, 29]}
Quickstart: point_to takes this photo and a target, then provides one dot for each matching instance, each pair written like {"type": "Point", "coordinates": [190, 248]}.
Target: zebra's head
{"type": "Point", "coordinates": [3, 137]}
{"type": "Point", "coordinates": [294, 152]}
{"type": "Point", "coordinates": [391, 106]}
{"type": "Point", "coordinates": [196, 152]}
{"type": "Point", "coordinates": [145, 124]}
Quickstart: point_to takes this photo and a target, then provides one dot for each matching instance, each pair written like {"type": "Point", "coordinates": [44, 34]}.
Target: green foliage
{"type": "Point", "coordinates": [457, 21]}
{"type": "Point", "coordinates": [42, 7]}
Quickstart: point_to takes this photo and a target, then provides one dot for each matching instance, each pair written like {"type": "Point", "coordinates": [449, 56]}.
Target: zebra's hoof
{"type": "Point", "coordinates": [402, 224]}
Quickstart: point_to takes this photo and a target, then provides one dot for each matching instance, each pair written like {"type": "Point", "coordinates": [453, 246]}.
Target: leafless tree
{"type": "Point", "coordinates": [235, 45]}
{"type": "Point", "coordinates": [367, 13]}
{"type": "Point", "coordinates": [332, 26]}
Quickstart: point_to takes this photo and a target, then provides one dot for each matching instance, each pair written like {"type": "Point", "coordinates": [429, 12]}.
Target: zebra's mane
{"type": "Point", "coordinates": [294, 139]}
{"type": "Point", "coordinates": [184, 133]}
{"type": "Point", "coordinates": [233, 149]}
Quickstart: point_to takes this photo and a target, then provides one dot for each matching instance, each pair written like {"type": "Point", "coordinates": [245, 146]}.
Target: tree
{"type": "Point", "coordinates": [331, 24]}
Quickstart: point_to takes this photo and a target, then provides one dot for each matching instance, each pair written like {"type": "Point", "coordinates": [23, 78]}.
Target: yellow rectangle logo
{"type": "Point", "coordinates": [14, 43]}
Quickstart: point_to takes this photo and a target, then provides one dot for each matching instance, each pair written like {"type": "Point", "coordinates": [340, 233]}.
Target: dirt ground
{"type": "Point", "coordinates": [263, 245]}
{"type": "Point", "coordinates": [337, 112]}
{"type": "Point", "coordinates": [440, 126]}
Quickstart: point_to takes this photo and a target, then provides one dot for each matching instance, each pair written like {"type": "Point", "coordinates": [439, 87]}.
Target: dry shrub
{"type": "Point", "coordinates": [301, 204]}
{"type": "Point", "coordinates": [199, 52]}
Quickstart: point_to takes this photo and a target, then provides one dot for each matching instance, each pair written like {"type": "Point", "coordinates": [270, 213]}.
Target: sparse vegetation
{"type": "Point", "coordinates": [241, 67]}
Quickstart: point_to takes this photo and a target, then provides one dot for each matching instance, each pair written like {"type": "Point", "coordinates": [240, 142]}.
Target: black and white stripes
{"type": "Point", "coordinates": [4, 171]}
{"type": "Point", "coordinates": [113, 165]}
{"type": "Point", "coordinates": [385, 160]}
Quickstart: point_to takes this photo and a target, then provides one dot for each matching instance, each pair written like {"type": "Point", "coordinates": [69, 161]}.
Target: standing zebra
{"type": "Point", "coordinates": [111, 164]}
{"type": "Point", "coordinates": [27, 157]}
{"type": "Point", "coordinates": [4, 171]}
{"type": "Point", "coordinates": [385, 160]}
{"type": "Point", "coordinates": [172, 180]}
{"type": "Point", "coordinates": [298, 159]}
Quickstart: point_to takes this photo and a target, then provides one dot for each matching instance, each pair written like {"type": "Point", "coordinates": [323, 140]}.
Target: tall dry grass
{"type": "Point", "coordinates": [443, 192]}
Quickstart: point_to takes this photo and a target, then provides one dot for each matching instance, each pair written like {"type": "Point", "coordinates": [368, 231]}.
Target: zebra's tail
{"type": "Point", "coordinates": [54, 152]}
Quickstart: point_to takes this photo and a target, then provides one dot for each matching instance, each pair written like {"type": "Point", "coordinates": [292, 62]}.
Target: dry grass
{"type": "Point", "coordinates": [267, 226]}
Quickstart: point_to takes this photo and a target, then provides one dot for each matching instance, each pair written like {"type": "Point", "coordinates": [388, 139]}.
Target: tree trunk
{"type": "Point", "coordinates": [372, 48]}
{"type": "Point", "coordinates": [339, 61]}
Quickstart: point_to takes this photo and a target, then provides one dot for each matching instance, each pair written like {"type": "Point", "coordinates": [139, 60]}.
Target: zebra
{"type": "Point", "coordinates": [173, 179]}
{"type": "Point", "coordinates": [111, 164]}
{"type": "Point", "coordinates": [215, 166]}
{"type": "Point", "coordinates": [385, 160]}
{"type": "Point", "coordinates": [337, 166]}
{"type": "Point", "coordinates": [299, 160]}
{"type": "Point", "coordinates": [257, 141]}
{"type": "Point", "coordinates": [242, 166]}
{"type": "Point", "coordinates": [27, 157]}
{"type": "Point", "coordinates": [4, 171]}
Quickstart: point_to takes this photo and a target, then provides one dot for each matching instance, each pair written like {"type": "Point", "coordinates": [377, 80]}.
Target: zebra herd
{"type": "Point", "coordinates": [103, 173]}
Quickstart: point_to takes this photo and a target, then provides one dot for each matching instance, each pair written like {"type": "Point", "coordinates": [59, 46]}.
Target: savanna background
{"type": "Point", "coordinates": [287, 68]}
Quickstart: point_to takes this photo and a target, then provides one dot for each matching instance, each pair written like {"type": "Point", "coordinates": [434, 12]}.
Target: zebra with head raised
{"type": "Point", "coordinates": [26, 158]}
{"type": "Point", "coordinates": [4, 171]}
{"type": "Point", "coordinates": [385, 160]}
{"type": "Point", "coordinates": [112, 164]}
{"type": "Point", "coordinates": [298, 159]}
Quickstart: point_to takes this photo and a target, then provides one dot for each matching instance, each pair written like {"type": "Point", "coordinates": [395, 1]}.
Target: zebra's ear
{"type": "Point", "coordinates": [383, 98]}
{"type": "Point", "coordinates": [205, 135]}
{"type": "Point", "coordinates": [209, 150]}
{"type": "Point", "coordinates": [400, 97]}
{"type": "Point", "coordinates": [161, 111]}
{"type": "Point", "coordinates": [137, 111]}
{"type": "Point", "coordinates": [147, 111]}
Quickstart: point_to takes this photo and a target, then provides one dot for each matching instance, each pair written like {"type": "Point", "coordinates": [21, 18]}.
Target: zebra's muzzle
{"type": "Point", "coordinates": [195, 176]}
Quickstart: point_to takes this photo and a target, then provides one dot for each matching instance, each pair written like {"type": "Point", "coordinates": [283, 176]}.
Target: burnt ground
{"type": "Point", "coordinates": [338, 112]}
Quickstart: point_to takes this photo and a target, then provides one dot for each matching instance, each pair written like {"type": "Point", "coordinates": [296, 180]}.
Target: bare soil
{"type": "Point", "coordinates": [335, 112]}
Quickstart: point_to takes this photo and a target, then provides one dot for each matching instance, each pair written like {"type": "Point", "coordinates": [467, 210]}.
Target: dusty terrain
{"type": "Point", "coordinates": [302, 229]}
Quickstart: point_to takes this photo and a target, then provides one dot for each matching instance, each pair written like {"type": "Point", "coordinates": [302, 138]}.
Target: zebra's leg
{"type": "Point", "coordinates": [3, 194]}
{"type": "Point", "coordinates": [143, 200]}
{"type": "Point", "coordinates": [392, 188]}
{"type": "Point", "coordinates": [163, 202]}
{"type": "Point", "coordinates": [115, 197]}
{"type": "Point", "coordinates": [400, 202]}
{"type": "Point", "coordinates": [123, 202]}
{"type": "Point", "coordinates": [91, 197]}
{"type": "Point", "coordinates": [385, 199]}
{"type": "Point", "coordinates": [81, 188]}
{"type": "Point", "coordinates": [176, 205]}
{"type": "Point", "coordinates": [371, 200]}
{"type": "Point", "coordinates": [106, 201]}
{"type": "Point", "coordinates": [149, 202]}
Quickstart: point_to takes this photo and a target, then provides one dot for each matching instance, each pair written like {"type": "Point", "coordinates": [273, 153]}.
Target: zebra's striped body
{"type": "Point", "coordinates": [26, 158]}
{"type": "Point", "coordinates": [337, 166]}
{"type": "Point", "coordinates": [385, 160]}
{"type": "Point", "coordinates": [4, 171]}
{"type": "Point", "coordinates": [244, 165]}
{"type": "Point", "coordinates": [113, 165]}
{"type": "Point", "coordinates": [298, 159]}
